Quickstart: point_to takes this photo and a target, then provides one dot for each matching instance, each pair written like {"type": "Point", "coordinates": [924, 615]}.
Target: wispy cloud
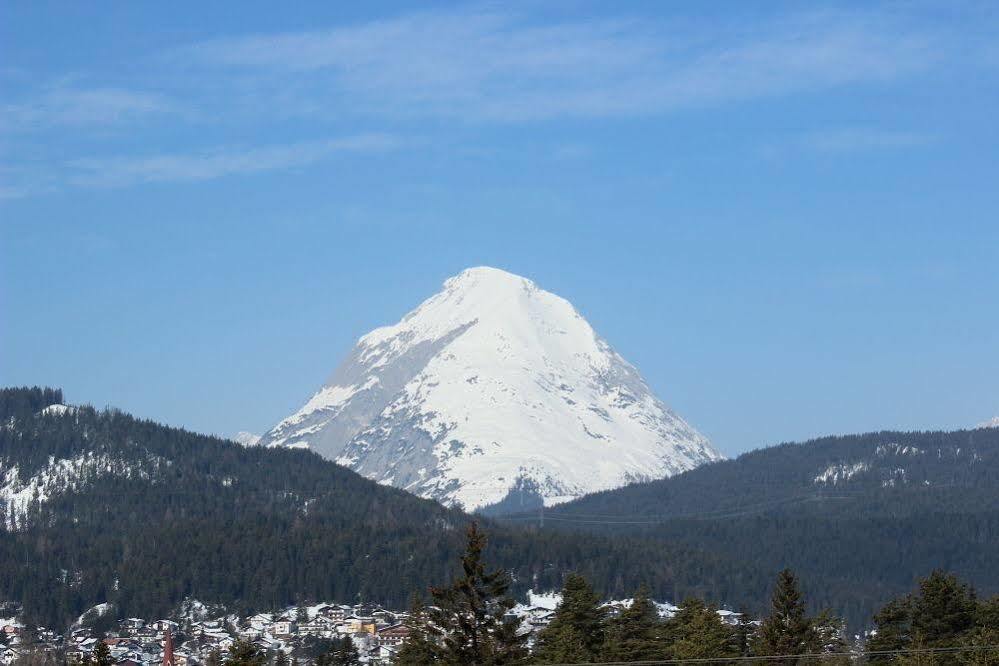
{"type": "Point", "coordinates": [496, 66]}
{"type": "Point", "coordinates": [78, 107]}
{"type": "Point", "coordinates": [218, 163]}
{"type": "Point", "coordinates": [471, 65]}
{"type": "Point", "coordinates": [857, 139]}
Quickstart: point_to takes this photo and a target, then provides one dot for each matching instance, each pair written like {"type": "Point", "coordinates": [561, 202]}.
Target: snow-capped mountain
{"type": "Point", "coordinates": [992, 423]}
{"type": "Point", "coordinates": [246, 438]}
{"type": "Point", "coordinates": [489, 386]}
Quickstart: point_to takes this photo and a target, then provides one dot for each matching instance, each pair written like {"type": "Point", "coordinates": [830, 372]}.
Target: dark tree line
{"type": "Point", "coordinates": [186, 515]}
{"type": "Point", "coordinates": [256, 529]}
{"type": "Point", "coordinates": [858, 540]}
{"type": "Point", "coordinates": [943, 614]}
{"type": "Point", "coordinates": [468, 624]}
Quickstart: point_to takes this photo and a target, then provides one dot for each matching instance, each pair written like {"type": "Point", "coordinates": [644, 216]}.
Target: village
{"type": "Point", "coordinates": [297, 634]}
{"type": "Point", "coordinates": [300, 634]}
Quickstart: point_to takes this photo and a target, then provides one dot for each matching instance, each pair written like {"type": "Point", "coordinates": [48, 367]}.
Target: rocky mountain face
{"type": "Point", "coordinates": [493, 391]}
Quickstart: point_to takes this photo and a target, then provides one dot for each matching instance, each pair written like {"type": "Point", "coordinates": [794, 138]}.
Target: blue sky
{"type": "Point", "coordinates": [784, 214]}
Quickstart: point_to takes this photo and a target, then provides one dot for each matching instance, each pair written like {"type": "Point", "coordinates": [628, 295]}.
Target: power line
{"type": "Point", "coordinates": [815, 655]}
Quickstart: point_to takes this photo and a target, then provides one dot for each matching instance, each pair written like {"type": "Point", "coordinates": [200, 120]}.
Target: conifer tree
{"type": "Point", "coordinates": [470, 613]}
{"type": "Point", "coordinates": [637, 633]}
{"type": "Point", "coordinates": [281, 659]}
{"type": "Point", "coordinates": [214, 658]}
{"type": "Point", "coordinates": [892, 629]}
{"type": "Point", "coordinates": [743, 634]}
{"type": "Point", "coordinates": [985, 635]}
{"type": "Point", "coordinates": [697, 632]}
{"type": "Point", "coordinates": [827, 638]}
{"type": "Point", "coordinates": [244, 653]}
{"type": "Point", "coordinates": [102, 655]}
{"type": "Point", "coordinates": [787, 630]}
{"type": "Point", "coordinates": [943, 610]}
{"type": "Point", "coordinates": [421, 646]}
{"type": "Point", "coordinates": [576, 633]}
{"type": "Point", "coordinates": [343, 653]}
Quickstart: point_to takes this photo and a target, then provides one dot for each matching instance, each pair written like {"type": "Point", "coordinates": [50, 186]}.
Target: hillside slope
{"type": "Point", "coordinates": [100, 506]}
{"type": "Point", "coordinates": [859, 517]}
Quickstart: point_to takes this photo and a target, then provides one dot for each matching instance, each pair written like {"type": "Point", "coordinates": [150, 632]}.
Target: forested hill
{"type": "Point", "coordinates": [890, 474]}
{"type": "Point", "coordinates": [858, 517]}
{"type": "Point", "coordinates": [100, 506]}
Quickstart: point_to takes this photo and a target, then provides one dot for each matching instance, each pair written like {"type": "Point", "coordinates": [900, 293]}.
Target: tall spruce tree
{"type": "Point", "coordinates": [979, 642]}
{"type": "Point", "coordinates": [943, 610]}
{"type": "Point", "coordinates": [471, 612]}
{"type": "Point", "coordinates": [942, 613]}
{"type": "Point", "coordinates": [743, 634]}
{"type": "Point", "coordinates": [892, 629]}
{"type": "Point", "coordinates": [576, 633]}
{"type": "Point", "coordinates": [102, 655]}
{"type": "Point", "coordinates": [421, 646]}
{"type": "Point", "coordinates": [786, 630]}
{"type": "Point", "coordinates": [827, 638]}
{"type": "Point", "coordinates": [636, 634]}
{"type": "Point", "coordinates": [697, 632]}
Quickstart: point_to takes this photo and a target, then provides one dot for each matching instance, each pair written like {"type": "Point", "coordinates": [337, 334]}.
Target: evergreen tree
{"type": "Point", "coordinates": [102, 655]}
{"type": "Point", "coordinates": [281, 659]}
{"type": "Point", "coordinates": [892, 629]}
{"type": "Point", "coordinates": [576, 633]}
{"type": "Point", "coordinates": [244, 653]}
{"type": "Point", "coordinates": [471, 612]}
{"type": "Point", "coordinates": [697, 632]}
{"type": "Point", "coordinates": [787, 630]}
{"type": "Point", "coordinates": [985, 634]}
{"type": "Point", "coordinates": [421, 646]}
{"type": "Point", "coordinates": [827, 638]}
{"type": "Point", "coordinates": [636, 634]}
{"type": "Point", "coordinates": [943, 610]}
{"type": "Point", "coordinates": [214, 658]}
{"type": "Point", "coordinates": [343, 653]}
{"type": "Point", "coordinates": [987, 615]}
{"type": "Point", "coordinates": [942, 613]}
{"type": "Point", "coordinates": [743, 634]}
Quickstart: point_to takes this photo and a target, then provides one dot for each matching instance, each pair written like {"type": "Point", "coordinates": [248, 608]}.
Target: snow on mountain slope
{"type": "Point", "coordinates": [992, 423]}
{"type": "Point", "coordinates": [246, 438]}
{"type": "Point", "coordinates": [67, 475]}
{"type": "Point", "coordinates": [490, 385]}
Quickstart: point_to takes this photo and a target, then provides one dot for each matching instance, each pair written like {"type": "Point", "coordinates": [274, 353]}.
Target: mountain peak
{"type": "Point", "coordinates": [478, 275]}
{"type": "Point", "coordinates": [991, 423]}
{"type": "Point", "coordinates": [488, 387]}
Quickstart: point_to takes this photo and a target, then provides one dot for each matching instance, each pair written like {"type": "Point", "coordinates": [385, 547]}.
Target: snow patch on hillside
{"type": "Point", "coordinates": [93, 614]}
{"type": "Point", "coordinates": [66, 475]}
{"type": "Point", "coordinates": [58, 409]}
{"type": "Point", "coordinates": [991, 423]}
{"type": "Point", "coordinates": [896, 449]}
{"type": "Point", "coordinates": [841, 472]}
